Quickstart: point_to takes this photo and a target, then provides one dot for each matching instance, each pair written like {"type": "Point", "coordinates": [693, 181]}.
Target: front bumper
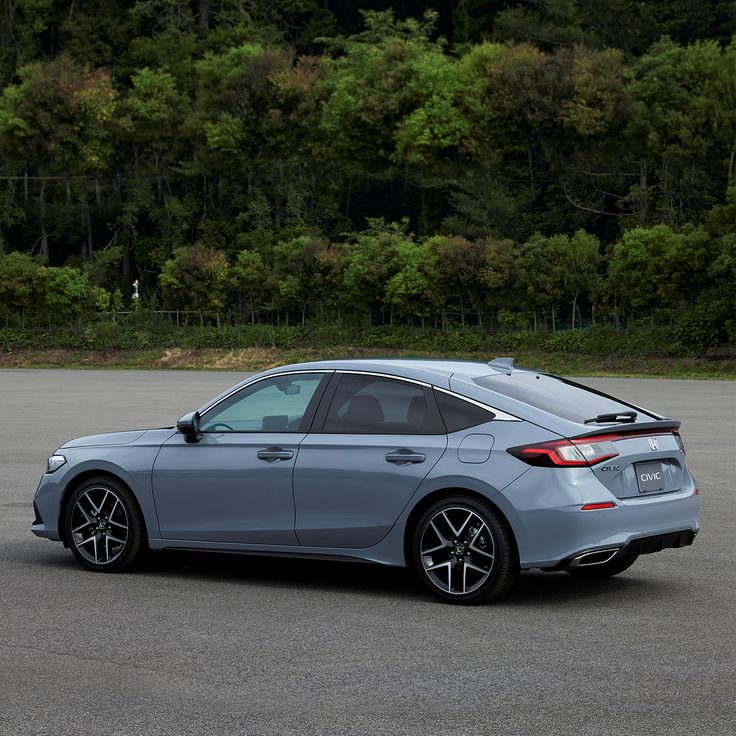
{"type": "Point", "coordinates": [47, 504]}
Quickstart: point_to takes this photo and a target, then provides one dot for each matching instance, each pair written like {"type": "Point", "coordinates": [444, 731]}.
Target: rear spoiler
{"type": "Point", "coordinates": [666, 426]}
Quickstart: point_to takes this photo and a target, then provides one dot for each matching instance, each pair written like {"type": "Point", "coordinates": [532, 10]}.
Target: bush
{"type": "Point", "coordinates": [696, 331]}
{"type": "Point", "coordinates": [67, 293]}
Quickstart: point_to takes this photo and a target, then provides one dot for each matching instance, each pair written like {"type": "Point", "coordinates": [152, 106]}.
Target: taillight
{"type": "Point", "coordinates": [582, 452]}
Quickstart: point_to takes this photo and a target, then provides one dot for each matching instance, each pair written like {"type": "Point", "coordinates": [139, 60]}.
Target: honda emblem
{"type": "Point", "coordinates": [653, 444]}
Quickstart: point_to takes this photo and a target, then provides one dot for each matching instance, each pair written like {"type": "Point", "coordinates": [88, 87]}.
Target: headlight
{"type": "Point", "coordinates": [54, 463]}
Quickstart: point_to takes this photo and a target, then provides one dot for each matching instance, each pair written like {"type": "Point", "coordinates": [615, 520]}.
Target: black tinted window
{"type": "Point", "coordinates": [373, 405]}
{"type": "Point", "coordinates": [557, 396]}
{"type": "Point", "coordinates": [458, 414]}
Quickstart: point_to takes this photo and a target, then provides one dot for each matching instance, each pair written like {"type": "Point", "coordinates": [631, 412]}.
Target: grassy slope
{"type": "Point", "coordinates": [258, 358]}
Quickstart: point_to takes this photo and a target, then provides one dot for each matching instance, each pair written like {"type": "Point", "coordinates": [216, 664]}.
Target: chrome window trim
{"type": "Point", "coordinates": [384, 375]}
{"type": "Point", "coordinates": [258, 380]}
{"type": "Point", "coordinates": [500, 416]}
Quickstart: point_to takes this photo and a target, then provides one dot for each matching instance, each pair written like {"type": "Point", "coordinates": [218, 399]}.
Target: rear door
{"type": "Point", "coordinates": [377, 438]}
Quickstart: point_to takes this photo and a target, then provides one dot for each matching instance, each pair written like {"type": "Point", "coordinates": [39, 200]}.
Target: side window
{"type": "Point", "coordinates": [276, 404]}
{"type": "Point", "coordinates": [374, 405]}
{"type": "Point", "coordinates": [458, 414]}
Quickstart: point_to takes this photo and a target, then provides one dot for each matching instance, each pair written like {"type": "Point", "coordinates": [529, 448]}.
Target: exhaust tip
{"type": "Point", "coordinates": [598, 557]}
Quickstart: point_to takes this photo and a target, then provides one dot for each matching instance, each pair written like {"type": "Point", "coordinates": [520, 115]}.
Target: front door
{"type": "Point", "coordinates": [235, 484]}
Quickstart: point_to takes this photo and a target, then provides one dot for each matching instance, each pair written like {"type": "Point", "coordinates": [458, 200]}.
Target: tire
{"type": "Point", "coordinates": [606, 570]}
{"type": "Point", "coordinates": [463, 551]}
{"type": "Point", "coordinates": [104, 526]}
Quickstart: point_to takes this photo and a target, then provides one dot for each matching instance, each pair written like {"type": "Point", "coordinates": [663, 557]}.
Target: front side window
{"type": "Point", "coordinates": [276, 404]}
{"type": "Point", "coordinates": [375, 405]}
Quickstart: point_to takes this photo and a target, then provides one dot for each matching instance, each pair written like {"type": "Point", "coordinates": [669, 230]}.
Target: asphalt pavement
{"type": "Point", "coordinates": [211, 644]}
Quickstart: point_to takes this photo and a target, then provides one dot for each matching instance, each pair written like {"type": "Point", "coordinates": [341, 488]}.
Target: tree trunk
{"type": "Point", "coordinates": [462, 312]}
{"type": "Point", "coordinates": [90, 243]}
{"type": "Point", "coordinates": [204, 14]}
{"type": "Point", "coordinates": [554, 329]}
{"type": "Point", "coordinates": [643, 196]}
{"type": "Point", "coordinates": [42, 208]}
{"type": "Point", "coordinates": [574, 305]}
{"type": "Point", "coordinates": [531, 166]}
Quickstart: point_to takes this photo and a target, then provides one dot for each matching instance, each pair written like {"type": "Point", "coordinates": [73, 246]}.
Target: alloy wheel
{"type": "Point", "coordinates": [99, 525]}
{"type": "Point", "coordinates": [457, 550]}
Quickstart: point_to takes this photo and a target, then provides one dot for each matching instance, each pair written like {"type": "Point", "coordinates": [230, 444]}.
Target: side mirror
{"type": "Point", "coordinates": [188, 425]}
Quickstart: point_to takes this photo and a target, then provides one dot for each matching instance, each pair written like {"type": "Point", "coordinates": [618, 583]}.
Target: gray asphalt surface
{"type": "Point", "coordinates": [201, 644]}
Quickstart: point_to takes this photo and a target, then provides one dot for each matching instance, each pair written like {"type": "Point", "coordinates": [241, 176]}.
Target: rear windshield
{"type": "Point", "coordinates": [557, 396]}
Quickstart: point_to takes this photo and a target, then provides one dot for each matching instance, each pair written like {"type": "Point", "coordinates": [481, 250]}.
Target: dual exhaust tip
{"type": "Point", "coordinates": [598, 557]}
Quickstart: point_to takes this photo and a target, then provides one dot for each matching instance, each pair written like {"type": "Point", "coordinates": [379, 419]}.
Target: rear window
{"type": "Point", "coordinates": [557, 396]}
{"type": "Point", "coordinates": [458, 414]}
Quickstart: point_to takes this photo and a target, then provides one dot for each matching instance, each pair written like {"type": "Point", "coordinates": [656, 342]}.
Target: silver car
{"type": "Point", "coordinates": [467, 472]}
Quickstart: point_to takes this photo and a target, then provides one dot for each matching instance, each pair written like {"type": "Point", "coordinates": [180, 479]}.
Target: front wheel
{"type": "Point", "coordinates": [104, 526]}
{"type": "Point", "coordinates": [605, 570]}
{"type": "Point", "coordinates": [463, 552]}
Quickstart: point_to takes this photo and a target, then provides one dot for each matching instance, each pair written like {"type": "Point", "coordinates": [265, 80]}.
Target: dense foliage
{"type": "Point", "coordinates": [520, 164]}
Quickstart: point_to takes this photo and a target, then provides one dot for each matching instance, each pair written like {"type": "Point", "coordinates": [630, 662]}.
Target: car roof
{"type": "Point", "coordinates": [430, 370]}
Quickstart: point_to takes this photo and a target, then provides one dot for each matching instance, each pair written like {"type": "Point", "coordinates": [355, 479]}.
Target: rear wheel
{"type": "Point", "coordinates": [463, 552]}
{"type": "Point", "coordinates": [104, 526]}
{"type": "Point", "coordinates": [606, 570]}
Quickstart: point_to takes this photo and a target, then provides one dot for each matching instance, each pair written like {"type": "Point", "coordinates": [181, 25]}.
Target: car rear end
{"type": "Point", "coordinates": [611, 480]}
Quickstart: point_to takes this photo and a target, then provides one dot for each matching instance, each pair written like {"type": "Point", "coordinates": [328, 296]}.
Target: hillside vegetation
{"type": "Point", "coordinates": [448, 166]}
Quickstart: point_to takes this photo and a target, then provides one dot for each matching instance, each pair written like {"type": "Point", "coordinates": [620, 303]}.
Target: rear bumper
{"type": "Point", "coordinates": [638, 546]}
{"type": "Point", "coordinates": [550, 527]}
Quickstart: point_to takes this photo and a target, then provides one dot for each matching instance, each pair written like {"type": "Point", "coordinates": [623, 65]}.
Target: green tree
{"type": "Point", "coordinates": [195, 278]}
{"type": "Point", "coordinates": [67, 293]}
{"type": "Point", "coordinates": [682, 120]}
{"type": "Point", "coordinates": [21, 286]}
{"type": "Point", "coordinates": [249, 274]}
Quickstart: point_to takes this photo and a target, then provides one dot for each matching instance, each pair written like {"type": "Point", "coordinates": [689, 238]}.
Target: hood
{"type": "Point", "coordinates": [111, 438]}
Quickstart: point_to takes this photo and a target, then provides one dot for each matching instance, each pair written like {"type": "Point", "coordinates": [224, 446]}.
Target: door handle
{"type": "Point", "coordinates": [404, 457]}
{"type": "Point", "coordinates": [273, 454]}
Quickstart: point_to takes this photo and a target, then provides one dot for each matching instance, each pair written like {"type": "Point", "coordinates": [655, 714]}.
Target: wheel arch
{"type": "Point", "coordinates": [76, 481]}
{"type": "Point", "coordinates": [432, 497]}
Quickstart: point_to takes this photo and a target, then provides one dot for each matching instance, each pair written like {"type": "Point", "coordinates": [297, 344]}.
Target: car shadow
{"type": "Point", "coordinates": [286, 572]}
{"type": "Point", "coordinates": [533, 587]}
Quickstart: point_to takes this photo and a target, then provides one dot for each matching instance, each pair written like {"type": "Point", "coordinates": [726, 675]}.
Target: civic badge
{"type": "Point", "coordinates": [653, 444]}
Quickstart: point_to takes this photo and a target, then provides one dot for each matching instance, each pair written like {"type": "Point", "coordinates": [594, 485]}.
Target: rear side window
{"type": "Point", "coordinates": [458, 414]}
{"type": "Point", "coordinates": [375, 405]}
{"type": "Point", "coordinates": [556, 396]}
